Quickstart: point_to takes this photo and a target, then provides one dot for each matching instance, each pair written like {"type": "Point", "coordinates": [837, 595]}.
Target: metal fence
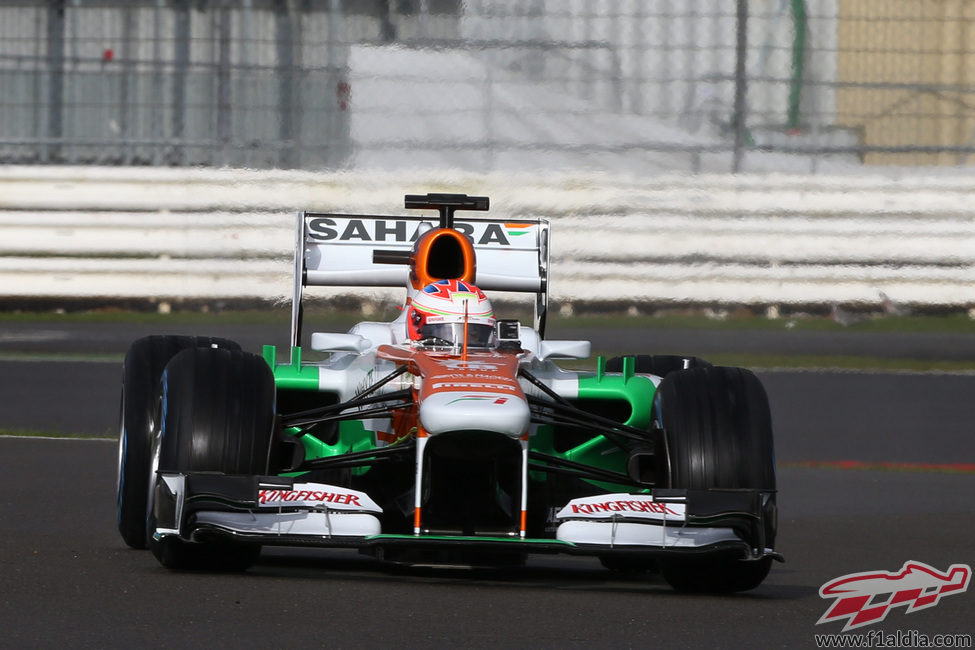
{"type": "Point", "coordinates": [609, 85]}
{"type": "Point", "coordinates": [256, 84]}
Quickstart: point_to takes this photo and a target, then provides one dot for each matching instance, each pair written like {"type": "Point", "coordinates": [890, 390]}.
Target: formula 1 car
{"type": "Point", "coordinates": [446, 435]}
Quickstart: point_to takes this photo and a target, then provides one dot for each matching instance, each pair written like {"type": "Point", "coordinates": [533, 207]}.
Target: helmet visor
{"type": "Point", "coordinates": [479, 335]}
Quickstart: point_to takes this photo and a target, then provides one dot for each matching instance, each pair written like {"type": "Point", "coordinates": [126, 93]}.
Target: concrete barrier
{"type": "Point", "coordinates": [171, 234]}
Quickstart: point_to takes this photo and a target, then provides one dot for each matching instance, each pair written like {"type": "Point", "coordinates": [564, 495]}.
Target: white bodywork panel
{"type": "Point", "coordinates": [312, 509]}
{"type": "Point", "coordinates": [470, 410]}
{"type": "Point", "coordinates": [313, 524]}
{"type": "Point", "coordinates": [633, 520]}
{"type": "Point", "coordinates": [611, 533]}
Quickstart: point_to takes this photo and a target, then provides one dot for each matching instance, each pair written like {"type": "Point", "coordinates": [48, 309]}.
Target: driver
{"type": "Point", "coordinates": [440, 312]}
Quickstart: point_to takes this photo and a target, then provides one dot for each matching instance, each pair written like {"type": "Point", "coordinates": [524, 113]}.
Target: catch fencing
{"type": "Point", "coordinates": [489, 85]}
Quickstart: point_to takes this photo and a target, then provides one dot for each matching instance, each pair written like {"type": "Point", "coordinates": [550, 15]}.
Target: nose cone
{"type": "Point", "coordinates": [481, 411]}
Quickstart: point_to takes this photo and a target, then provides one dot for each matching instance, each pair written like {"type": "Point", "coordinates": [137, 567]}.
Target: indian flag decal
{"type": "Point", "coordinates": [518, 229]}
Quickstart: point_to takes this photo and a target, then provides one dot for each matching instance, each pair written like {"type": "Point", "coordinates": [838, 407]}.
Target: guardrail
{"type": "Point", "coordinates": [176, 234]}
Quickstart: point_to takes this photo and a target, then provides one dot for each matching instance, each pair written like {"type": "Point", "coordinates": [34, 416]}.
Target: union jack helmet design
{"type": "Point", "coordinates": [438, 313]}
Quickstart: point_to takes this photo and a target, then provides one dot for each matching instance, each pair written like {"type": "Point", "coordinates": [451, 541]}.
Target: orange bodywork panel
{"type": "Point", "coordinates": [485, 371]}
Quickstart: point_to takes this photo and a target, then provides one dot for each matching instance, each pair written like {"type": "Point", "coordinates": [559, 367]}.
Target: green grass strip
{"type": "Point", "coordinates": [35, 433]}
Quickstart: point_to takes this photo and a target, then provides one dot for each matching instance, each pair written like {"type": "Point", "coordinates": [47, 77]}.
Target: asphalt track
{"type": "Point", "coordinates": [67, 580]}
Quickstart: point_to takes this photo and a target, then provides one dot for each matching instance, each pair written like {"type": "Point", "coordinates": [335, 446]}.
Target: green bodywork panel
{"type": "Point", "coordinates": [291, 376]}
{"type": "Point", "coordinates": [637, 391]}
{"type": "Point", "coordinates": [352, 437]}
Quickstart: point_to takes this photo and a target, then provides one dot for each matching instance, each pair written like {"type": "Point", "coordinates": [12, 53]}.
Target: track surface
{"type": "Point", "coordinates": [66, 578]}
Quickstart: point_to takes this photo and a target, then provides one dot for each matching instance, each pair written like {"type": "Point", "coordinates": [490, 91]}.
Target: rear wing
{"type": "Point", "coordinates": [373, 251]}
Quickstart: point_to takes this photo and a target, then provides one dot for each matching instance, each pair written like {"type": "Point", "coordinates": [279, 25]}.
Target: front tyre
{"type": "Point", "coordinates": [143, 366]}
{"type": "Point", "coordinates": [217, 414]}
{"type": "Point", "coordinates": [719, 435]}
{"type": "Point", "coordinates": [714, 575]}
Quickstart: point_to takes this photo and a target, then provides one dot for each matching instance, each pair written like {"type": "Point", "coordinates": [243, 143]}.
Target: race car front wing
{"type": "Point", "coordinates": [282, 511]}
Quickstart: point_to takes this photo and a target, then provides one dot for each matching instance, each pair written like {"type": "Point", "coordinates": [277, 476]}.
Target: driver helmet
{"type": "Point", "coordinates": [439, 310]}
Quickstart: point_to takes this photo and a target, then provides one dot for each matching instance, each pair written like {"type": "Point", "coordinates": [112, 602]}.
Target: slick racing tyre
{"type": "Point", "coordinates": [660, 365]}
{"type": "Point", "coordinates": [217, 414]}
{"type": "Point", "coordinates": [144, 363]}
{"type": "Point", "coordinates": [719, 435]}
{"type": "Point", "coordinates": [657, 364]}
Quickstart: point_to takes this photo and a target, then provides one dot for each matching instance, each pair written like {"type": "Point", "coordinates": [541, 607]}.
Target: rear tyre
{"type": "Point", "coordinates": [217, 414]}
{"type": "Point", "coordinates": [719, 435]}
{"type": "Point", "coordinates": [143, 366]}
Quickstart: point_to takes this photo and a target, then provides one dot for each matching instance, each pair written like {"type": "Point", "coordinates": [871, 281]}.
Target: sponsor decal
{"type": "Point", "coordinates": [393, 230]}
{"type": "Point", "coordinates": [447, 385]}
{"type": "Point", "coordinates": [518, 229]}
{"type": "Point", "coordinates": [466, 375]}
{"type": "Point", "coordinates": [478, 398]}
{"type": "Point", "coordinates": [866, 598]}
{"type": "Point", "coordinates": [609, 506]}
{"type": "Point", "coordinates": [306, 496]}
{"type": "Point", "coordinates": [487, 374]}
{"type": "Point", "coordinates": [460, 364]}
{"type": "Point", "coordinates": [631, 505]}
{"type": "Point", "coordinates": [350, 230]}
